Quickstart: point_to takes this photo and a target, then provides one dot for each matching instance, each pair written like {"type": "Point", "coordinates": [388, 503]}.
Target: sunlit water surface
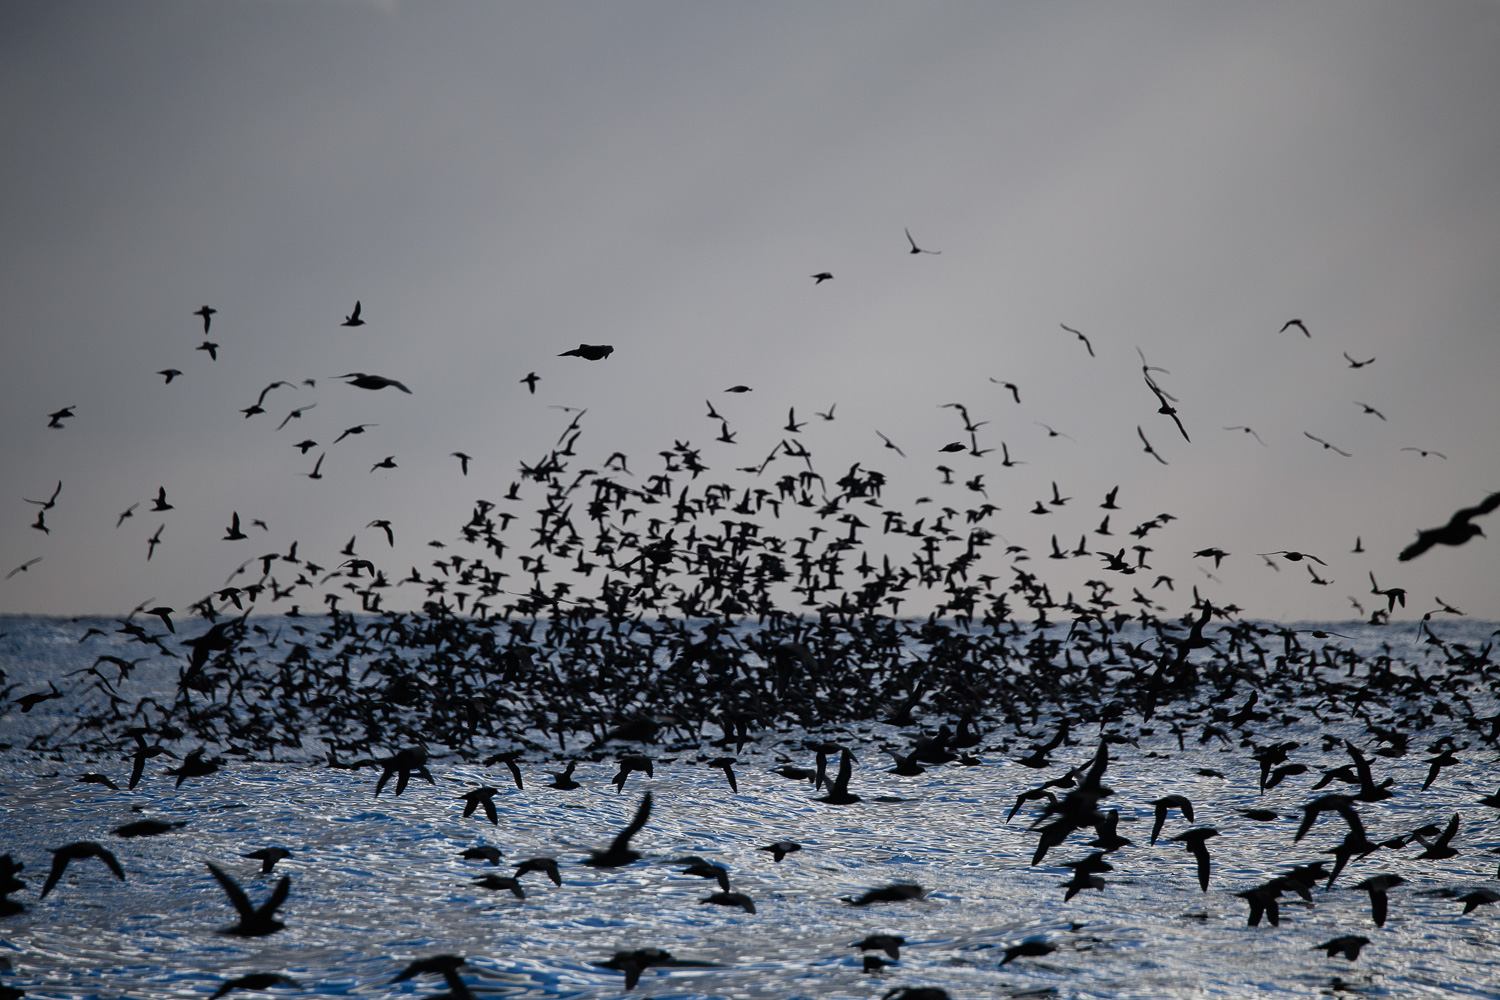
{"type": "Point", "coordinates": [377, 881]}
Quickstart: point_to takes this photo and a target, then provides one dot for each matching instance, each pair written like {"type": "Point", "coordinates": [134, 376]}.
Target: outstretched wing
{"type": "Point", "coordinates": [274, 901]}
{"type": "Point", "coordinates": [237, 897]}
{"type": "Point", "coordinates": [641, 815]}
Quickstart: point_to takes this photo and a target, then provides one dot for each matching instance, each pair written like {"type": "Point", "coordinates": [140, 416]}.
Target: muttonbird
{"type": "Point", "coordinates": [233, 532]}
{"type": "Point", "coordinates": [207, 312]}
{"type": "Point", "coordinates": [353, 318]}
{"type": "Point", "coordinates": [619, 853]}
{"type": "Point", "coordinates": [1370, 409]}
{"type": "Point", "coordinates": [169, 374]}
{"type": "Point", "coordinates": [1298, 324]}
{"type": "Point", "coordinates": [589, 352]}
{"type": "Point", "coordinates": [1457, 531]}
{"type": "Point", "coordinates": [1355, 364]}
{"type": "Point", "coordinates": [255, 921]}
{"type": "Point", "coordinates": [916, 249]}
{"type": "Point", "coordinates": [1247, 430]}
{"type": "Point", "coordinates": [51, 501]}
{"type": "Point", "coordinates": [1326, 445]}
{"type": "Point", "coordinates": [76, 851]}
{"type": "Point", "coordinates": [55, 419]}
{"type": "Point", "coordinates": [295, 415]}
{"type": "Point", "coordinates": [361, 380]}
{"type": "Point", "coordinates": [1148, 449]}
{"type": "Point", "coordinates": [821, 277]}
{"type": "Point", "coordinates": [1080, 336]}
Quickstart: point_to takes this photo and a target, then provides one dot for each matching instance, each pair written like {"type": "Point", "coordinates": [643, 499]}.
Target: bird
{"type": "Point", "coordinates": [402, 765]}
{"type": "Point", "coordinates": [207, 313]}
{"type": "Point", "coordinates": [129, 512]}
{"type": "Point", "coordinates": [888, 943]}
{"type": "Point", "coordinates": [838, 788]}
{"type": "Point", "coordinates": [1427, 451]}
{"type": "Point", "coordinates": [1247, 430]}
{"type": "Point", "coordinates": [547, 866]}
{"type": "Point", "coordinates": [889, 444]}
{"type": "Point", "coordinates": [210, 348]}
{"type": "Point", "coordinates": [160, 503]}
{"type": "Point", "coordinates": [1326, 445]}
{"type": "Point", "coordinates": [305, 446]}
{"type": "Point", "coordinates": [268, 856]}
{"type": "Point", "coordinates": [353, 318]}
{"type": "Point", "coordinates": [1015, 390]}
{"type": "Point", "coordinates": [780, 849]}
{"type": "Point", "coordinates": [821, 277]}
{"type": "Point", "coordinates": [77, 851]}
{"type": "Point", "coordinates": [1148, 449]}
{"type": "Point", "coordinates": [1348, 946]}
{"type": "Point", "coordinates": [1080, 336]}
{"type": "Point", "coordinates": [147, 828]}
{"type": "Point", "coordinates": [1165, 804]}
{"type": "Point", "coordinates": [1355, 364]}
{"type": "Point", "coordinates": [1028, 949]}
{"type": "Point", "coordinates": [619, 853]}
{"type": "Point", "coordinates": [356, 429]}
{"type": "Point", "coordinates": [55, 419]}
{"type": "Point", "coordinates": [496, 883]}
{"type": "Point", "coordinates": [317, 472]}
{"type": "Point", "coordinates": [1193, 840]}
{"type": "Point", "coordinates": [483, 853]}
{"type": "Point", "coordinates": [295, 415]}
{"type": "Point", "coordinates": [1298, 324]}
{"type": "Point", "coordinates": [233, 532]}
{"type": "Point", "coordinates": [389, 462]}
{"type": "Point", "coordinates": [1377, 887]}
{"type": "Point", "coordinates": [916, 249]}
{"type": "Point", "coordinates": [255, 981]}
{"type": "Point", "coordinates": [1439, 848]}
{"type": "Point", "coordinates": [530, 381]}
{"type": "Point", "coordinates": [731, 899]}
{"type": "Point", "coordinates": [23, 567]}
{"type": "Point", "coordinates": [483, 796]}
{"type": "Point", "coordinates": [255, 921]}
{"type": "Point", "coordinates": [153, 542]}
{"type": "Point", "coordinates": [169, 374]}
{"type": "Point", "coordinates": [589, 352]}
{"type": "Point", "coordinates": [896, 892]}
{"type": "Point", "coordinates": [360, 380]}
{"type": "Point", "coordinates": [1457, 531]}
{"type": "Point", "coordinates": [828, 415]}
{"type": "Point", "coordinates": [1370, 409]}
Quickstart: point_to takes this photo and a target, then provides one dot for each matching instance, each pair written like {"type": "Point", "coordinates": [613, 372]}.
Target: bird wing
{"type": "Point", "coordinates": [641, 815]}
{"type": "Point", "coordinates": [277, 897]}
{"type": "Point", "coordinates": [237, 897]}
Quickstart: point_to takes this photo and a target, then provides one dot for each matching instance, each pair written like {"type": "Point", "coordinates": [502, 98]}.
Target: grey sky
{"type": "Point", "coordinates": [498, 183]}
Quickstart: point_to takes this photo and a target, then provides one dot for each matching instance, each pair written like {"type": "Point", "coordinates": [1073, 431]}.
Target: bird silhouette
{"type": "Point", "coordinates": [1326, 445]}
{"type": "Point", "coordinates": [207, 312]}
{"type": "Point", "coordinates": [1193, 840]}
{"type": "Point", "coordinates": [916, 249]}
{"type": "Point", "coordinates": [55, 419]}
{"type": "Point", "coordinates": [361, 380]}
{"type": "Point", "coordinates": [233, 532]}
{"type": "Point", "coordinates": [255, 981]}
{"type": "Point", "coordinates": [1348, 946]}
{"type": "Point", "coordinates": [254, 921]}
{"type": "Point", "coordinates": [589, 352]}
{"type": "Point", "coordinates": [821, 277]}
{"type": "Point", "coordinates": [1298, 324]}
{"type": "Point", "coordinates": [1355, 364]}
{"type": "Point", "coordinates": [353, 318]}
{"type": "Point", "coordinates": [268, 856]}
{"type": "Point", "coordinates": [619, 853]}
{"type": "Point", "coordinates": [1080, 336]}
{"type": "Point", "coordinates": [77, 851]}
{"type": "Point", "coordinates": [1457, 531]}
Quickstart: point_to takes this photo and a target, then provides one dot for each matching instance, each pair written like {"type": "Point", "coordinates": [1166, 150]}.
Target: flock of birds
{"type": "Point", "coordinates": [684, 636]}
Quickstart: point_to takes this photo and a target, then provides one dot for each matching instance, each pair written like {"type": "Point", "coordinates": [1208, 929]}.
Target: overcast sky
{"type": "Point", "coordinates": [497, 183]}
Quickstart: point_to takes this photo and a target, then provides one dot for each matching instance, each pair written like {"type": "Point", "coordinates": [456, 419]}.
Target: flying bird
{"type": "Point", "coordinates": [23, 567]}
{"type": "Point", "coordinates": [77, 851]}
{"type": "Point", "coordinates": [207, 313]}
{"type": "Point", "coordinates": [891, 445]}
{"type": "Point", "coordinates": [1298, 324]}
{"type": "Point", "coordinates": [1457, 531]}
{"type": "Point", "coordinates": [1148, 449]}
{"type": "Point", "coordinates": [1427, 451]}
{"type": "Point", "coordinates": [589, 352]}
{"type": "Point", "coordinates": [1247, 430]}
{"type": "Point", "coordinates": [54, 420]}
{"type": "Point", "coordinates": [360, 380]}
{"type": "Point", "coordinates": [1370, 409]}
{"type": "Point", "coordinates": [821, 277]}
{"type": "Point", "coordinates": [169, 374]}
{"type": "Point", "coordinates": [233, 532]}
{"type": "Point", "coordinates": [917, 249]}
{"type": "Point", "coordinates": [1326, 445]}
{"type": "Point", "coordinates": [530, 381]}
{"type": "Point", "coordinates": [619, 853]}
{"type": "Point", "coordinates": [1080, 336]}
{"type": "Point", "coordinates": [463, 461]}
{"type": "Point", "coordinates": [1355, 364]}
{"type": "Point", "coordinates": [353, 318]}
{"type": "Point", "coordinates": [254, 921]}
{"type": "Point", "coordinates": [210, 347]}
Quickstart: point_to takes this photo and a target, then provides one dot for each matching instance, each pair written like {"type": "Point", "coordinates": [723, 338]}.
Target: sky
{"type": "Point", "coordinates": [498, 183]}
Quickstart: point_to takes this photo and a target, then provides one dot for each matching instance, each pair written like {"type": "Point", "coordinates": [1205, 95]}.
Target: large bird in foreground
{"type": "Point", "coordinates": [1457, 531]}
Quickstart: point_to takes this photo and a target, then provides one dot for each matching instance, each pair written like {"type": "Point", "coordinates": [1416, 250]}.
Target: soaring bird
{"type": "Point", "coordinates": [917, 249]}
{"type": "Point", "coordinates": [1457, 531]}
{"type": "Point", "coordinates": [530, 381]}
{"type": "Point", "coordinates": [169, 374]}
{"type": "Point", "coordinates": [207, 313]}
{"type": "Point", "coordinates": [353, 318]}
{"type": "Point", "coordinates": [54, 420]}
{"type": "Point", "coordinates": [821, 277]}
{"type": "Point", "coordinates": [619, 854]}
{"type": "Point", "coordinates": [1080, 336]}
{"type": "Point", "coordinates": [254, 921]}
{"type": "Point", "coordinates": [76, 851]}
{"type": "Point", "coordinates": [589, 352]}
{"type": "Point", "coordinates": [255, 981]}
{"type": "Point", "coordinates": [360, 380]}
{"type": "Point", "coordinates": [1348, 946]}
{"type": "Point", "coordinates": [1298, 324]}
{"type": "Point", "coordinates": [1193, 840]}
{"type": "Point", "coordinates": [1353, 363]}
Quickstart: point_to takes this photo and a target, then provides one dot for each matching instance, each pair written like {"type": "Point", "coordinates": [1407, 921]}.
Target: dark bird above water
{"type": "Point", "coordinates": [255, 981]}
{"type": "Point", "coordinates": [896, 892]}
{"type": "Point", "coordinates": [888, 943]}
{"type": "Point", "coordinates": [619, 853]}
{"type": "Point", "coordinates": [147, 828]}
{"type": "Point", "coordinates": [1027, 949]}
{"type": "Point", "coordinates": [1348, 946]}
{"type": "Point", "coordinates": [23, 567]}
{"type": "Point", "coordinates": [780, 849]}
{"type": "Point", "coordinates": [1457, 531]}
{"type": "Point", "coordinates": [233, 532]}
{"type": "Point", "coordinates": [254, 921]}
{"type": "Point", "coordinates": [1377, 887]}
{"type": "Point", "coordinates": [268, 856]}
{"type": "Point", "coordinates": [403, 764]}
{"type": "Point", "coordinates": [353, 318]}
{"type": "Point", "coordinates": [77, 851]}
{"type": "Point", "coordinates": [589, 352]}
{"type": "Point", "coordinates": [1193, 840]}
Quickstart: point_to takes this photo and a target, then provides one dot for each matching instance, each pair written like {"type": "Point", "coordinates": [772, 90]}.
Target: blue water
{"type": "Point", "coordinates": [376, 881]}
